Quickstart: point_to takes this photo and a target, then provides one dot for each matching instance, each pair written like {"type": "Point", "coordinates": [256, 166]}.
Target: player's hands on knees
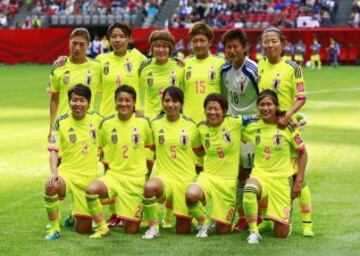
{"type": "Point", "coordinates": [296, 190]}
{"type": "Point", "coordinates": [60, 61]}
{"type": "Point", "coordinates": [53, 180]}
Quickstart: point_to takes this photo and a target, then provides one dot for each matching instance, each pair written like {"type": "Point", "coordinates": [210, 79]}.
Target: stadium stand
{"type": "Point", "coordinates": [8, 10]}
{"type": "Point", "coordinates": [354, 20]}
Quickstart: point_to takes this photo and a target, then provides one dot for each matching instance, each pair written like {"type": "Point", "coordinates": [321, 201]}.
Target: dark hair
{"type": "Point", "coordinates": [175, 93]}
{"type": "Point", "coordinates": [81, 90]}
{"type": "Point", "coordinates": [128, 89]}
{"type": "Point", "coordinates": [81, 32]}
{"type": "Point", "coordinates": [124, 27]}
{"type": "Point", "coordinates": [275, 30]}
{"type": "Point", "coordinates": [219, 99]}
{"type": "Point", "coordinates": [201, 28]}
{"type": "Point", "coordinates": [235, 34]}
{"type": "Point", "coordinates": [268, 93]}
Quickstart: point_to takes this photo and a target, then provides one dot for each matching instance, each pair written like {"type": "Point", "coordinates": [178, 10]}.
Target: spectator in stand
{"type": "Point", "coordinates": [3, 21]}
{"type": "Point", "coordinates": [96, 47]}
{"type": "Point", "coordinates": [105, 44]}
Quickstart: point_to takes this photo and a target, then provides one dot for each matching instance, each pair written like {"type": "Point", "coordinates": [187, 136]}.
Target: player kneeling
{"type": "Point", "coordinates": [75, 135]}
{"type": "Point", "coordinates": [271, 177]}
{"type": "Point", "coordinates": [123, 137]}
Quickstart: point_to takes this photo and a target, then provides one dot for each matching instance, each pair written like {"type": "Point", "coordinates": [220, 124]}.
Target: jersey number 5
{"type": "Point", "coordinates": [173, 151]}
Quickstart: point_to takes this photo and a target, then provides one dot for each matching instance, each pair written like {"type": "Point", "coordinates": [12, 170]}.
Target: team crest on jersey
{"type": "Point", "coordinates": [72, 137]}
{"type": "Point", "coordinates": [257, 138]}
{"type": "Point", "coordinates": [150, 79]}
{"type": "Point", "coordinates": [276, 81]}
{"type": "Point", "coordinates": [172, 78]}
{"type": "Point", "coordinates": [129, 66]}
{"type": "Point", "coordinates": [184, 139]}
{"type": "Point", "coordinates": [226, 135]}
{"type": "Point", "coordinates": [207, 140]}
{"type": "Point", "coordinates": [135, 137]}
{"type": "Point", "coordinates": [161, 137]}
{"type": "Point", "coordinates": [92, 132]}
{"type": "Point", "coordinates": [66, 77]}
{"type": "Point", "coordinates": [241, 84]}
{"type": "Point", "coordinates": [106, 68]}
{"type": "Point", "coordinates": [277, 139]}
{"type": "Point", "coordinates": [114, 137]}
{"type": "Point", "coordinates": [212, 74]}
{"type": "Point", "coordinates": [88, 78]}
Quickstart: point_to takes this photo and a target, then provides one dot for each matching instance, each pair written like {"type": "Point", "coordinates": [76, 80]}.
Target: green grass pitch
{"type": "Point", "coordinates": [332, 138]}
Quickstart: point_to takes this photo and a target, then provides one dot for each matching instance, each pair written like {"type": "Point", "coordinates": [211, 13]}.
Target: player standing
{"type": "Point", "coordinates": [315, 56]}
{"type": "Point", "coordinates": [286, 79]}
{"type": "Point", "coordinates": [202, 71]}
{"type": "Point", "coordinates": [125, 137]}
{"type": "Point", "coordinates": [176, 137]}
{"type": "Point", "coordinates": [75, 134]}
{"type": "Point", "coordinates": [239, 82]}
{"type": "Point", "coordinates": [271, 176]}
{"type": "Point", "coordinates": [76, 69]}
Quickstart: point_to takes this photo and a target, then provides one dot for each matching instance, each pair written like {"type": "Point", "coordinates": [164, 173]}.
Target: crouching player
{"type": "Point", "coordinates": [271, 177]}
{"type": "Point", "coordinates": [75, 134]}
{"type": "Point", "coordinates": [124, 136]}
{"type": "Point", "coordinates": [220, 136]}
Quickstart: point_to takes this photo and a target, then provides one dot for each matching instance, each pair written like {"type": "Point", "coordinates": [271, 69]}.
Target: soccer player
{"type": "Point", "coordinates": [299, 52]}
{"type": "Point", "coordinates": [220, 136]}
{"type": "Point", "coordinates": [315, 56]}
{"type": "Point", "coordinates": [75, 69]}
{"type": "Point", "coordinates": [288, 50]}
{"type": "Point", "coordinates": [159, 72]}
{"type": "Point", "coordinates": [272, 173]}
{"type": "Point", "coordinates": [75, 134]}
{"type": "Point", "coordinates": [125, 136]}
{"type": "Point", "coordinates": [121, 66]}
{"type": "Point", "coordinates": [202, 71]}
{"type": "Point", "coordinates": [239, 83]}
{"type": "Point", "coordinates": [176, 137]}
{"type": "Point", "coordinates": [286, 79]}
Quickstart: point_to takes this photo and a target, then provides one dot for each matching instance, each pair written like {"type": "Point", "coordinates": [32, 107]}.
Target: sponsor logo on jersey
{"type": "Point", "coordinates": [241, 85]}
{"type": "Point", "coordinates": [150, 79]}
{"type": "Point", "coordinates": [106, 68]}
{"type": "Point", "coordinates": [72, 137]}
{"type": "Point", "coordinates": [66, 77]}
{"type": "Point", "coordinates": [161, 137]}
{"type": "Point", "coordinates": [172, 78]}
{"type": "Point", "coordinates": [135, 137]}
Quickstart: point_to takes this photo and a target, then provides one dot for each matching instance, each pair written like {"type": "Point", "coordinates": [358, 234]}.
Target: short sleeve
{"type": "Point", "coordinates": [54, 142]}
{"type": "Point", "coordinates": [149, 141]}
{"type": "Point", "coordinates": [297, 81]}
{"type": "Point", "coordinates": [53, 83]}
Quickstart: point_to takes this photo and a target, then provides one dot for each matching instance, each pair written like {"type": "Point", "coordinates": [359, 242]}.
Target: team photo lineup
{"type": "Point", "coordinates": [208, 138]}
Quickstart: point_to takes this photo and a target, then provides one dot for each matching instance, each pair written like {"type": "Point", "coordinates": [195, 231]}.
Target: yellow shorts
{"type": "Point", "coordinates": [277, 192]}
{"type": "Point", "coordinates": [221, 194]}
{"type": "Point", "coordinates": [315, 57]}
{"type": "Point", "coordinates": [298, 57]}
{"type": "Point", "coordinates": [175, 191]}
{"type": "Point", "coordinates": [76, 186]}
{"type": "Point", "coordinates": [129, 193]}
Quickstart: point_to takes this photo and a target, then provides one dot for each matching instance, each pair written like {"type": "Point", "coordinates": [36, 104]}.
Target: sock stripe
{"type": "Point", "coordinates": [148, 201]}
{"type": "Point", "coordinates": [51, 199]}
{"type": "Point", "coordinates": [91, 198]}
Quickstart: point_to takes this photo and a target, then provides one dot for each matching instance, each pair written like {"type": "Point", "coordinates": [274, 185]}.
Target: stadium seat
{"type": "Point", "coordinates": [78, 20]}
{"type": "Point", "coordinates": [95, 20]}
{"type": "Point", "coordinates": [63, 20]}
{"type": "Point", "coordinates": [110, 19]}
{"type": "Point", "coordinates": [119, 17]}
{"type": "Point", "coordinates": [71, 20]}
{"type": "Point", "coordinates": [54, 20]}
{"type": "Point", "coordinates": [87, 20]}
{"type": "Point", "coordinates": [103, 20]}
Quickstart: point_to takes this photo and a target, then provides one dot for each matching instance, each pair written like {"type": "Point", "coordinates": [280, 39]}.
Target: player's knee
{"type": "Point", "coordinates": [192, 196]}
{"type": "Point", "coordinates": [50, 191]}
{"type": "Point", "coordinates": [150, 189]}
{"type": "Point", "coordinates": [92, 189]}
{"type": "Point", "coordinates": [131, 227]}
{"type": "Point", "coordinates": [281, 230]}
